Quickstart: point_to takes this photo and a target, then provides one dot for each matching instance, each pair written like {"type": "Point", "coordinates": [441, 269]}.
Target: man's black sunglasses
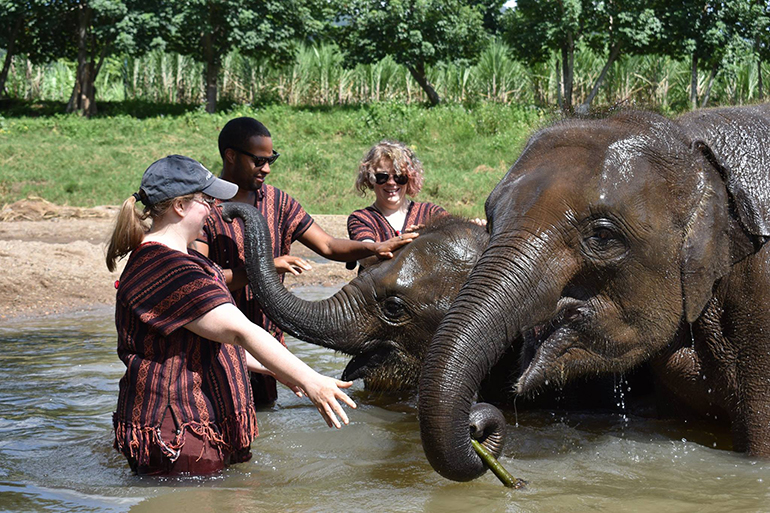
{"type": "Point", "coordinates": [382, 178]}
{"type": "Point", "coordinates": [259, 161]}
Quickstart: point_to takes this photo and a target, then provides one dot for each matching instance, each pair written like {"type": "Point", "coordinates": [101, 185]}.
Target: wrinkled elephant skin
{"type": "Point", "coordinates": [617, 242]}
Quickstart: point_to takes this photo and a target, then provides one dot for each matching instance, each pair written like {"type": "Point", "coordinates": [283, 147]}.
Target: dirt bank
{"type": "Point", "coordinates": [52, 259]}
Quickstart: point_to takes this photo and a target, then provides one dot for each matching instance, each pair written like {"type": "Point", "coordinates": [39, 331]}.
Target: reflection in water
{"type": "Point", "coordinates": [58, 387]}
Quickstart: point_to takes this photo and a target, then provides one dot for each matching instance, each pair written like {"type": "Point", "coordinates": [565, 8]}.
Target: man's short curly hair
{"type": "Point", "coordinates": [404, 163]}
{"type": "Point", "coordinates": [237, 133]}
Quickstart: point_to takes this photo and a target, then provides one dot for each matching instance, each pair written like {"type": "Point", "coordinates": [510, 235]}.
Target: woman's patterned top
{"type": "Point", "coordinates": [170, 370]}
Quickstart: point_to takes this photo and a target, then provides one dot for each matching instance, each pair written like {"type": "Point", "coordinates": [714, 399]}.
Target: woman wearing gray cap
{"type": "Point", "coordinates": [184, 404]}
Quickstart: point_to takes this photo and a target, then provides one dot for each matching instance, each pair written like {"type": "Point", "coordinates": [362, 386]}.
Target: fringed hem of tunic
{"type": "Point", "coordinates": [233, 434]}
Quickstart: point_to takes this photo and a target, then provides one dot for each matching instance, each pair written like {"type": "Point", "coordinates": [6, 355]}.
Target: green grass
{"type": "Point", "coordinates": [74, 161]}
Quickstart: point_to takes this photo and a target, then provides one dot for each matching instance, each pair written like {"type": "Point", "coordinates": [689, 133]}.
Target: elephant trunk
{"type": "Point", "coordinates": [329, 323]}
{"type": "Point", "coordinates": [487, 316]}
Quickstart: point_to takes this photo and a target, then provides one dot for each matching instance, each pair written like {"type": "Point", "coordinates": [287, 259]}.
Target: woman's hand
{"type": "Point", "coordinates": [386, 249]}
{"type": "Point", "coordinates": [325, 393]}
{"type": "Point", "coordinates": [291, 264]}
{"type": "Point", "coordinates": [414, 227]}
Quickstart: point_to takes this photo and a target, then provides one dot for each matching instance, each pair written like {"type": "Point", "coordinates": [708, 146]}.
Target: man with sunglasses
{"type": "Point", "coordinates": [246, 148]}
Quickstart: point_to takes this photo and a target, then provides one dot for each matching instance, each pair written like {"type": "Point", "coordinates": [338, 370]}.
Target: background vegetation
{"type": "Point", "coordinates": [71, 160]}
{"type": "Point", "coordinates": [332, 78]}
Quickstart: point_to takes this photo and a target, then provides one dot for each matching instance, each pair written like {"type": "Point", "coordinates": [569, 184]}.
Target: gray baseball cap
{"type": "Point", "coordinates": [177, 175]}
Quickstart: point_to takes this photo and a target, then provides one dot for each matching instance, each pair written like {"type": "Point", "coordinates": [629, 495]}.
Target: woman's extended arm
{"type": "Point", "coordinates": [228, 325]}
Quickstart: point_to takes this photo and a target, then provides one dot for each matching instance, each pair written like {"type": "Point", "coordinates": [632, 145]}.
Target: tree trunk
{"type": "Point", "coordinates": [89, 106]}
{"type": "Point", "coordinates": [694, 82]}
{"type": "Point", "coordinates": [418, 72]}
{"type": "Point", "coordinates": [586, 105]}
{"type": "Point", "coordinates": [559, 100]}
{"type": "Point", "coordinates": [568, 68]}
{"type": "Point", "coordinates": [9, 51]}
{"type": "Point", "coordinates": [212, 72]}
{"type": "Point", "coordinates": [714, 70]}
{"type": "Point", "coordinates": [78, 96]}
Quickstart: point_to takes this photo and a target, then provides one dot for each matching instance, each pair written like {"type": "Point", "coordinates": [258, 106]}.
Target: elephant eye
{"type": "Point", "coordinates": [604, 241]}
{"type": "Point", "coordinates": [393, 307]}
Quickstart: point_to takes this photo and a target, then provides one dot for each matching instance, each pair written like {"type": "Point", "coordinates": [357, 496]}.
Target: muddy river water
{"type": "Point", "coordinates": [58, 388]}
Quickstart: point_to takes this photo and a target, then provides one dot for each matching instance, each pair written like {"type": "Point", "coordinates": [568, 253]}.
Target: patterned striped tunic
{"type": "Point", "coordinates": [171, 370]}
{"type": "Point", "coordinates": [287, 221]}
{"type": "Point", "coordinates": [369, 223]}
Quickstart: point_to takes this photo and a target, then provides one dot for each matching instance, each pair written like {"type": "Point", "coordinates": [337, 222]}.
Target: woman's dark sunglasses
{"type": "Point", "coordinates": [259, 161]}
{"type": "Point", "coordinates": [382, 178]}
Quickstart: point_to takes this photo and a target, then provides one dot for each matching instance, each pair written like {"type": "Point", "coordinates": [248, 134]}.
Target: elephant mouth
{"type": "Point", "coordinates": [362, 365]}
{"type": "Point", "coordinates": [552, 350]}
{"type": "Point", "coordinates": [543, 350]}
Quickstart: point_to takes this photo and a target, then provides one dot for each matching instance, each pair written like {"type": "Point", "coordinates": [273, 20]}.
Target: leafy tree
{"type": "Point", "coordinates": [752, 18]}
{"type": "Point", "coordinates": [535, 28]}
{"type": "Point", "coordinates": [620, 27]}
{"type": "Point", "coordinates": [207, 30]}
{"type": "Point", "coordinates": [415, 33]}
{"type": "Point", "coordinates": [87, 31]}
{"type": "Point", "coordinates": [492, 12]}
{"type": "Point", "coordinates": [704, 30]}
{"type": "Point", "coordinates": [12, 15]}
{"type": "Point", "coordinates": [33, 29]}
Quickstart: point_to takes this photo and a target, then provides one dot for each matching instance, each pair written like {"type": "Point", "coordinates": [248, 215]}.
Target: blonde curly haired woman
{"type": "Point", "coordinates": [393, 172]}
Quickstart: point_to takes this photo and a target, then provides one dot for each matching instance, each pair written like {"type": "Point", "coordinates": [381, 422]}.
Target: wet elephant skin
{"type": "Point", "coordinates": [615, 243]}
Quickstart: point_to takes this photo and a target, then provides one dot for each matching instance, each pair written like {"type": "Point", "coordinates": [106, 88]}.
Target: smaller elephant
{"type": "Point", "coordinates": [386, 316]}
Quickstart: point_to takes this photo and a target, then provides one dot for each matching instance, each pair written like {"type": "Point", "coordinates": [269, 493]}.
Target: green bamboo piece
{"type": "Point", "coordinates": [503, 475]}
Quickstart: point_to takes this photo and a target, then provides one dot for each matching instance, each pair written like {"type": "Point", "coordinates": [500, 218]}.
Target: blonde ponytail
{"type": "Point", "coordinates": [128, 232]}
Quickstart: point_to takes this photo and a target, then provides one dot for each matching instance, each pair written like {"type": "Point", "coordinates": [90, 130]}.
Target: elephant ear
{"type": "Point", "coordinates": [729, 223]}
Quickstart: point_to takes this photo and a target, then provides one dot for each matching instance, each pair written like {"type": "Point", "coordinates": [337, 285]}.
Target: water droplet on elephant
{"type": "Point", "coordinates": [546, 382]}
{"type": "Point", "coordinates": [515, 412]}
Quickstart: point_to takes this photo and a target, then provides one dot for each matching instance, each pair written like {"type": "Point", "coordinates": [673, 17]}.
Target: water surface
{"type": "Point", "coordinates": [58, 388]}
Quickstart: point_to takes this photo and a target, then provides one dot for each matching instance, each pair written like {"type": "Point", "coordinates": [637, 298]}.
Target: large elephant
{"type": "Point", "coordinates": [616, 242]}
{"type": "Point", "coordinates": [387, 315]}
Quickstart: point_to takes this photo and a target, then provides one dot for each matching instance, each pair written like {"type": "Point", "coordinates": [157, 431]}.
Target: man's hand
{"type": "Point", "coordinates": [386, 249]}
{"type": "Point", "coordinates": [291, 264]}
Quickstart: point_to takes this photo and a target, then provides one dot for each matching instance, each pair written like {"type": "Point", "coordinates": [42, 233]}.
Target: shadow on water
{"type": "Point", "coordinates": [58, 387]}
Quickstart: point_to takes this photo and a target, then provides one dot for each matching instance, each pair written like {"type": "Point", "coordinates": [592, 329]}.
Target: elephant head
{"type": "Point", "coordinates": [606, 237]}
{"type": "Point", "coordinates": [386, 316]}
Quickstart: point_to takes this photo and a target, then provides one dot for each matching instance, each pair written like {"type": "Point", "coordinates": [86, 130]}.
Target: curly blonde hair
{"type": "Point", "coordinates": [404, 162]}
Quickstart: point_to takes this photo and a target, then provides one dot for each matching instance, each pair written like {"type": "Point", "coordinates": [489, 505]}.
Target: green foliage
{"type": "Point", "coordinates": [267, 28]}
{"type": "Point", "coordinates": [415, 33]}
{"type": "Point", "coordinates": [535, 28]}
{"type": "Point", "coordinates": [171, 83]}
{"type": "Point", "coordinates": [70, 160]}
{"type": "Point", "coordinates": [208, 31]}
